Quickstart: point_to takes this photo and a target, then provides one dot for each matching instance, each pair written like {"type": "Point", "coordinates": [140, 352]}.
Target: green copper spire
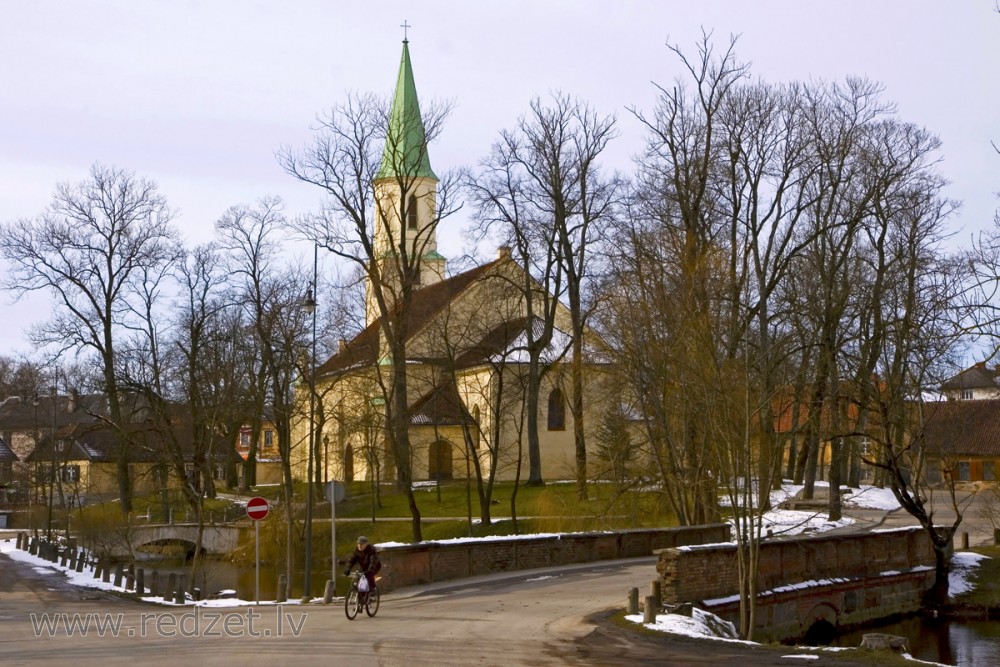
{"type": "Point", "coordinates": [405, 151]}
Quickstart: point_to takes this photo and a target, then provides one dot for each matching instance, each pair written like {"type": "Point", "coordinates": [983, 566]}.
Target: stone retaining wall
{"type": "Point", "coordinates": [842, 580]}
{"type": "Point", "coordinates": [406, 565]}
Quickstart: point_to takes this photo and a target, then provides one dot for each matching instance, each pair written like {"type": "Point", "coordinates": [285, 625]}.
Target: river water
{"type": "Point", "coordinates": [965, 643]}
{"type": "Point", "coordinates": [216, 576]}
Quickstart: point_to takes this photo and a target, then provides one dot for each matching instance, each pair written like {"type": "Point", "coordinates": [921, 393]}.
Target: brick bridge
{"type": "Point", "coordinates": [810, 586]}
{"type": "Point", "coordinates": [216, 539]}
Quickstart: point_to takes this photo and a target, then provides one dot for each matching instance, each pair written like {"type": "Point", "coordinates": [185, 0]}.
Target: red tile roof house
{"type": "Point", "coordinates": [962, 438]}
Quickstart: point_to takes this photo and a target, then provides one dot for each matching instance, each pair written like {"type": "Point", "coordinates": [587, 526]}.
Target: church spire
{"type": "Point", "coordinates": [405, 153]}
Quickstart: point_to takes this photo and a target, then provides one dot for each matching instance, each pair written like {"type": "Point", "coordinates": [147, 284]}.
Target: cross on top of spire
{"type": "Point", "coordinates": [405, 26]}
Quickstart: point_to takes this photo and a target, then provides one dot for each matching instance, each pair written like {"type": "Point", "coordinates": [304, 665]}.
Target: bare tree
{"type": "Point", "coordinates": [271, 297]}
{"type": "Point", "coordinates": [541, 191]}
{"type": "Point", "coordinates": [20, 377]}
{"type": "Point", "coordinates": [89, 250]}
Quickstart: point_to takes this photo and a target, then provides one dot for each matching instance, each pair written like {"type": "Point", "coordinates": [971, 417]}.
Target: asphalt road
{"type": "Point", "coordinates": [975, 516]}
{"type": "Point", "coordinates": [537, 618]}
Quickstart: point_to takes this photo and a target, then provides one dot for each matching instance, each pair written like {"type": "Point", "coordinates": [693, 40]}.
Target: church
{"type": "Point", "coordinates": [465, 341]}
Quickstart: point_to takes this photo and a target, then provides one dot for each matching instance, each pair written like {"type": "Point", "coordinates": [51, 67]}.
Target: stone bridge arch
{"type": "Point", "coordinates": [216, 539]}
{"type": "Point", "coordinates": [819, 625]}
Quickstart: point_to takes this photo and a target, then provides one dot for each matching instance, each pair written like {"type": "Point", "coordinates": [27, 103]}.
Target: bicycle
{"type": "Point", "coordinates": [356, 600]}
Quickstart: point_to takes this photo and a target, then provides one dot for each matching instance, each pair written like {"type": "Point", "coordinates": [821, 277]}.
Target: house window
{"type": "Point", "coordinates": [966, 394]}
{"type": "Point", "coordinates": [411, 212]}
{"type": "Point", "coordinates": [219, 473]}
{"type": "Point", "coordinates": [268, 439]}
{"type": "Point", "coordinates": [5, 472]}
{"type": "Point", "coordinates": [963, 471]}
{"type": "Point", "coordinates": [557, 411]}
{"type": "Point", "coordinates": [71, 473]}
{"type": "Point", "coordinates": [989, 471]}
{"type": "Point", "coordinates": [245, 439]}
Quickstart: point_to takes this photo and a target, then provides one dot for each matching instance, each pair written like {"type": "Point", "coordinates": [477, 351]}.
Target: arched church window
{"type": "Point", "coordinates": [557, 410]}
{"type": "Point", "coordinates": [411, 212]}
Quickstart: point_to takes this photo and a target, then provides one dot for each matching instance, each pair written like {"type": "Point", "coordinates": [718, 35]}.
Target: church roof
{"type": "Point", "coordinates": [440, 407]}
{"type": "Point", "coordinates": [508, 344]}
{"type": "Point", "coordinates": [495, 345]}
{"type": "Point", "coordinates": [426, 302]}
{"type": "Point", "coordinates": [405, 154]}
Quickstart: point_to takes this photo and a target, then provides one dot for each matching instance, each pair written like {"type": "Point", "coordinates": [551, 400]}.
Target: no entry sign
{"type": "Point", "coordinates": [257, 508]}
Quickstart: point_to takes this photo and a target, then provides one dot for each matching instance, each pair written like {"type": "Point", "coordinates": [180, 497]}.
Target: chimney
{"type": "Point", "coordinates": [341, 345]}
{"type": "Point", "coordinates": [503, 252]}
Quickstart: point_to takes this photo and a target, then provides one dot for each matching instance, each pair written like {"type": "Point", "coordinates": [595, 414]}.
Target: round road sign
{"type": "Point", "coordinates": [257, 508]}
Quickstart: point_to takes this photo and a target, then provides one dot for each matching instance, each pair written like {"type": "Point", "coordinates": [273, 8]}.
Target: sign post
{"type": "Point", "coordinates": [334, 492]}
{"type": "Point", "coordinates": [257, 509]}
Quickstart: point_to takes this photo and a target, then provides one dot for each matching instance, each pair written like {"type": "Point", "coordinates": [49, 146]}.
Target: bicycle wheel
{"type": "Point", "coordinates": [371, 605]}
{"type": "Point", "coordinates": [352, 605]}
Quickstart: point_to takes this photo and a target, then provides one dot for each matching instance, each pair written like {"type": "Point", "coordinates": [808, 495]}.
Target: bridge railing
{"type": "Point", "coordinates": [158, 515]}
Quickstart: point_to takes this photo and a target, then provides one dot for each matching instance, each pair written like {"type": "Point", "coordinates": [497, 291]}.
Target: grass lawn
{"type": "Point", "coordinates": [445, 507]}
{"type": "Point", "coordinates": [553, 502]}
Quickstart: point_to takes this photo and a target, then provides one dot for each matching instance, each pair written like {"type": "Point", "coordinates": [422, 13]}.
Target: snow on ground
{"type": "Point", "coordinates": [962, 566]}
{"type": "Point", "coordinates": [699, 624]}
{"type": "Point", "coordinates": [86, 579]}
{"type": "Point", "coordinates": [865, 497]}
{"type": "Point", "coordinates": [794, 522]}
{"type": "Point", "coordinates": [872, 498]}
{"type": "Point", "coordinates": [704, 625]}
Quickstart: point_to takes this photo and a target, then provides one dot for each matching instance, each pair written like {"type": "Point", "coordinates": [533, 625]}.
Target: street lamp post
{"type": "Point", "coordinates": [309, 305]}
{"type": "Point", "coordinates": [52, 468]}
{"type": "Point", "coordinates": [32, 473]}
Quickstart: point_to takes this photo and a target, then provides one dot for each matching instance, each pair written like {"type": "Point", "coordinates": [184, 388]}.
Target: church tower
{"type": "Point", "coordinates": [405, 196]}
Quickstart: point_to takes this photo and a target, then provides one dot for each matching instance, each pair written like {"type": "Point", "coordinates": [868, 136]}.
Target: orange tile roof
{"type": "Point", "coordinates": [970, 428]}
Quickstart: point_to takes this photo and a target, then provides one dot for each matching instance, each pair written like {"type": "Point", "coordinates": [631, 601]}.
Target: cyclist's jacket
{"type": "Point", "coordinates": [366, 559]}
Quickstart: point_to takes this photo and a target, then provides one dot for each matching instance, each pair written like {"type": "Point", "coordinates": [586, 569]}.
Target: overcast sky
{"type": "Point", "coordinates": [198, 95]}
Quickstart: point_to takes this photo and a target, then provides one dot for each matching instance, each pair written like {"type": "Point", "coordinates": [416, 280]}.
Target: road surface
{"type": "Point", "coordinates": [534, 619]}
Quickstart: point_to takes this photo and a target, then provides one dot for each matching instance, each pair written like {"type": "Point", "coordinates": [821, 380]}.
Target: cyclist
{"type": "Point", "coordinates": [367, 560]}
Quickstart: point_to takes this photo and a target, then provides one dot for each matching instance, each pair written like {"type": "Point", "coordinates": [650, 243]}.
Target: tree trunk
{"type": "Point", "coordinates": [534, 449]}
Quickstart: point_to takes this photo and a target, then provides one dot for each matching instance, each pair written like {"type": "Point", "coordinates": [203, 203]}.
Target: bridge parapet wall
{"type": "Point", "coordinates": [426, 562]}
{"type": "Point", "coordinates": [695, 573]}
{"type": "Point", "coordinates": [842, 580]}
{"type": "Point", "coordinates": [789, 612]}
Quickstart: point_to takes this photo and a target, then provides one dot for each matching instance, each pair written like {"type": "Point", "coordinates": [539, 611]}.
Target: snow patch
{"type": "Point", "coordinates": [963, 564]}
